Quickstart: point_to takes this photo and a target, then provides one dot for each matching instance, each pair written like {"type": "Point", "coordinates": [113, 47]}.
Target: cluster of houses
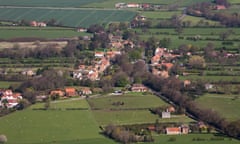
{"type": "Point", "coordinates": [99, 64]}
{"type": "Point", "coordinates": [161, 62]}
{"type": "Point", "coordinates": [37, 24]}
{"type": "Point", "coordinates": [136, 5]}
{"type": "Point", "coordinates": [8, 99]}
{"type": "Point", "coordinates": [65, 93]}
{"type": "Point", "coordinates": [118, 43]}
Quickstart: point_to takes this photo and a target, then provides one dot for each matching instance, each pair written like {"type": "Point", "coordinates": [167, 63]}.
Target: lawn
{"type": "Point", "coordinates": [187, 139]}
{"type": "Point", "coordinates": [52, 126]}
{"type": "Point", "coordinates": [226, 105]}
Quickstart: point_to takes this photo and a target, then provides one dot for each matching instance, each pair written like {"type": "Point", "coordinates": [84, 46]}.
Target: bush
{"type": "Point", "coordinates": [3, 139]}
{"type": "Point", "coordinates": [171, 139]}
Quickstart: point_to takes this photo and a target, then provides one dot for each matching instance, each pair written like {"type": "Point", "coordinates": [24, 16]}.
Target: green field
{"type": "Point", "coordinates": [47, 3]}
{"type": "Point", "coordinates": [6, 84]}
{"type": "Point", "coordinates": [196, 21]}
{"type": "Point", "coordinates": [204, 33]}
{"type": "Point", "coordinates": [234, 1]}
{"type": "Point", "coordinates": [135, 109]}
{"type": "Point", "coordinates": [160, 14]}
{"type": "Point", "coordinates": [47, 32]}
{"type": "Point", "coordinates": [211, 78]}
{"type": "Point", "coordinates": [52, 126]}
{"type": "Point", "coordinates": [111, 3]}
{"type": "Point", "coordinates": [188, 139]}
{"type": "Point", "coordinates": [66, 17]}
{"type": "Point", "coordinates": [136, 100]}
{"type": "Point", "coordinates": [226, 105]}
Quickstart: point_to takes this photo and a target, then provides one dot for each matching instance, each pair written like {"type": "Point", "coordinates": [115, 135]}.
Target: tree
{"type": "Point", "coordinates": [197, 62]}
{"type": "Point", "coordinates": [47, 104]}
{"type": "Point", "coordinates": [3, 139]}
{"type": "Point", "coordinates": [5, 102]}
{"type": "Point", "coordinates": [121, 79]}
{"type": "Point", "coordinates": [165, 42]}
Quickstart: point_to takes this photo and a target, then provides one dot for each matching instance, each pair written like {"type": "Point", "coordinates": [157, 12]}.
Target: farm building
{"type": "Point", "coordinates": [86, 91]}
{"type": "Point", "coordinates": [166, 115]}
{"type": "Point", "coordinates": [138, 88]}
{"type": "Point", "coordinates": [57, 92]}
{"type": "Point", "coordinates": [173, 130]}
{"type": "Point", "coordinates": [70, 92]}
{"type": "Point", "coordinates": [120, 5]}
{"type": "Point", "coordinates": [183, 129]}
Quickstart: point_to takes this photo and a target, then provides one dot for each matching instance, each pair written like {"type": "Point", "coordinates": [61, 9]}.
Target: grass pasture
{"type": "Point", "coordinates": [136, 100]}
{"type": "Point", "coordinates": [197, 21]}
{"type": "Point", "coordinates": [52, 126]}
{"type": "Point", "coordinates": [160, 14]}
{"type": "Point", "coordinates": [206, 34]}
{"type": "Point", "coordinates": [226, 105]}
{"type": "Point", "coordinates": [135, 109]}
{"type": "Point", "coordinates": [67, 17]}
{"type": "Point", "coordinates": [187, 139]}
{"type": "Point", "coordinates": [47, 32]}
{"type": "Point", "coordinates": [47, 3]}
{"type": "Point", "coordinates": [111, 3]}
{"type": "Point", "coordinates": [234, 1]}
{"type": "Point", "coordinates": [6, 84]}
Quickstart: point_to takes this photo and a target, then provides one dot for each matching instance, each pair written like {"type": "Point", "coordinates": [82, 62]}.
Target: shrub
{"type": "Point", "coordinates": [3, 139]}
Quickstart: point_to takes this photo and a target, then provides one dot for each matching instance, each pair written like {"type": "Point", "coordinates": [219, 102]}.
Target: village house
{"type": "Point", "coordinates": [86, 91]}
{"type": "Point", "coordinates": [120, 5]}
{"type": "Point", "coordinates": [133, 5]}
{"type": "Point", "coordinates": [80, 29]}
{"type": "Point", "coordinates": [99, 54]}
{"type": "Point", "coordinates": [139, 88]}
{"type": "Point", "coordinates": [220, 7]}
{"type": "Point", "coordinates": [77, 75]}
{"type": "Point", "coordinates": [93, 75]}
{"type": "Point", "coordinates": [57, 92]}
{"type": "Point", "coordinates": [115, 38]}
{"type": "Point", "coordinates": [9, 99]}
{"type": "Point", "coordinates": [170, 109]}
{"type": "Point", "coordinates": [166, 114]}
{"type": "Point", "coordinates": [183, 129]}
{"type": "Point", "coordinates": [37, 24]}
{"type": "Point", "coordinates": [168, 66]}
{"type": "Point", "coordinates": [112, 54]}
{"type": "Point", "coordinates": [146, 6]}
{"type": "Point", "coordinates": [140, 18]}
{"type": "Point", "coordinates": [173, 130]}
{"type": "Point", "coordinates": [155, 60]}
{"type": "Point", "coordinates": [164, 74]}
{"type": "Point", "coordinates": [28, 72]}
{"type": "Point", "coordinates": [40, 98]}
{"type": "Point", "coordinates": [151, 128]}
{"type": "Point", "coordinates": [70, 92]}
{"type": "Point", "coordinates": [186, 83]}
{"type": "Point", "coordinates": [208, 86]}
